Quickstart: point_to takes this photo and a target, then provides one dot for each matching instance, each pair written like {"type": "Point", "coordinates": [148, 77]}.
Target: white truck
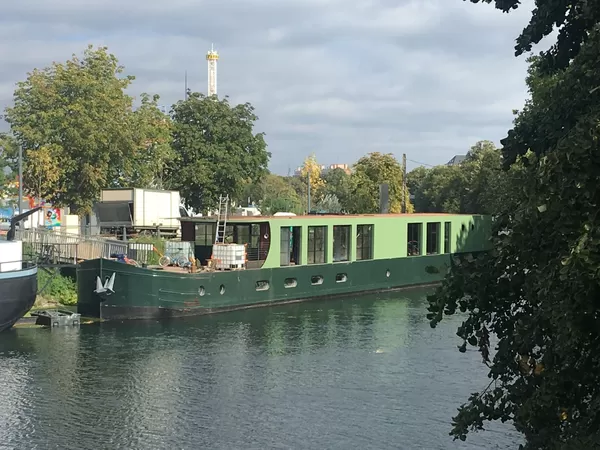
{"type": "Point", "coordinates": [135, 210]}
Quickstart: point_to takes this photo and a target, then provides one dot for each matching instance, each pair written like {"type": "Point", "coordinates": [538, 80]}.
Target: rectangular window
{"type": "Point", "coordinates": [364, 242]}
{"type": "Point", "coordinates": [284, 246]}
{"type": "Point", "coordinates": [447, 231]}
{"type": "Point", "coordinates": [205, 233]}
{"type": "Point", "coordinates": [317, 237]}
{"type": "Point", "coordinates": [250, 236]}
{"type": "Point", "coordinates": [413, 247]}
{"type": "Point", "coordinates": [433, 238]}
{"type": "Point", "coordinates": [341, 243]}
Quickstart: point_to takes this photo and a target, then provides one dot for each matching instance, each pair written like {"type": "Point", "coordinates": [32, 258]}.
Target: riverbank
{"type": "Point", "coordinates": [56, 289]}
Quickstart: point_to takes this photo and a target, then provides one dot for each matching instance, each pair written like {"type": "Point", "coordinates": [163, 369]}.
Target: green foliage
{"type": "Point", "coordinates": [57, 287]}
{"type": "Point", "coordinates": [538, 290]}
{"type": "Point", "coordinates": [273, 194]}
{"type": "Point", "coordinates": [439, 189]}
{"type": "Point", "coordinates": [329, 203]}
{"type": "Point", "coordinates": [80, 134]}
{"type": "Point", "coordinates": [216, 150]}
{"type": "Point", "coordinates": [159, 245]}
{"type": "Point", "coordinates": [574, 19]}
{"type": "Point", "coordinates": [338, 184]}
{"type": "Point", "coordinates": [473, 187]}
{"type": "Point", "coordinates": [152, 130]}
{"type": "Point", "coordinates": [369, 172]}
{"type": "Point", "coordinates": [77, 116]}
{"type": "Point", "coordinates": [9, 152]}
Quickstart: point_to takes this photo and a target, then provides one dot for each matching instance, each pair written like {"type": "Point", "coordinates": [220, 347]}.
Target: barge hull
{"type": "Point", "coordinates": [139, 293]}
{"type": "Point", "coordinates": [18, 291]}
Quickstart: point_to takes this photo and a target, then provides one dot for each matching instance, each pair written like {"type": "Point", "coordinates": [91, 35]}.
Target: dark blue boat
{"type": "Point", "coordinates": [18, 281]}
{"type": "Point", "coordinates": [18, 290]}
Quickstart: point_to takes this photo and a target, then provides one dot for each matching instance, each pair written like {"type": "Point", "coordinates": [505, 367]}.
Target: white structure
{"type": "Point", "coordinates": [212, 57]}
{"type": "Point", "coordinates": [11, 256]}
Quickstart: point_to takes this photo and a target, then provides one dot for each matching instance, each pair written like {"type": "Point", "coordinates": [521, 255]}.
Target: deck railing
{"type": "Point", "coordinates": [52, 247]}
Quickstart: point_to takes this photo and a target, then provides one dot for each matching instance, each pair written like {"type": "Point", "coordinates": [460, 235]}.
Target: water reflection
{"type": "Point", "coordinates": [364, 373]}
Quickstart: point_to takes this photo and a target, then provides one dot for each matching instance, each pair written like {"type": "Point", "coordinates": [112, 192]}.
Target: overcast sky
{"type": "Point", "coordinates": [339, 78]}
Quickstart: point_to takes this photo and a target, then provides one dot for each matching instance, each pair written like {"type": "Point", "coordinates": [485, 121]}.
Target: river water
{"type": "Point", "coordinates": [360, 373]}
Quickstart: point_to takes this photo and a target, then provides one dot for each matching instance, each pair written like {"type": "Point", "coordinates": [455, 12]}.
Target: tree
{"type": "Point", "coordinates": [483, 179]}
{"type": "Point", "coordinates": [574, 19]}
{"type": "Point", "coordinates": [313, 168]}
{"type": "Point", "coordinates": [473, 187]}
{"type": "Point", "coordinates": [216, 150]}
{"type": "Point", "coordinates": [273, 194]}
{"type": "Point", "coordinates": [368, 174]}
{"type": "Point", "coordinates": [330, 204]}
{"type": "Point", "coordinates": [440, 189]}
{"type": "Point", "coordinates": [337, 184]}
{"type": "Point", "coordinates": [78, 111]}
{"type": "Point", "coordinates": [8, 165]}
{"type": "Point", "coordinates": [300, 187]}
{"type": "Point", "coordinates": [154, 153]}
{"type": "Point", "coordinates": [414, 182]}
{"type": "Point", "coordinates": [537, 291]}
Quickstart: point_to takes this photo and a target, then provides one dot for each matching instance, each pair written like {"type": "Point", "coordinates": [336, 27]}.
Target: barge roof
{"type": "Point", "coordinates": [319, 217]}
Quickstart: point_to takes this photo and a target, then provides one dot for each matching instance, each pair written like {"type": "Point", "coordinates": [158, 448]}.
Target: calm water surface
{"type": "Point", "coordinates": [364, 373]}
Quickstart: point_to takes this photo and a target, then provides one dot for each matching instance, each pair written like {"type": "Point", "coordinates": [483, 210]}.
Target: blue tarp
{"type": "Point", "coordinates": [6, 212]}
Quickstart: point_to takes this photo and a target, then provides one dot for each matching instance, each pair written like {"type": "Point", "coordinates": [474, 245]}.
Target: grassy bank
{"type": "Point", "coordinates": [57, 288]}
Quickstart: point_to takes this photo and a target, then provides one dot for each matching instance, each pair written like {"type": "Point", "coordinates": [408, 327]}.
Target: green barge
{"type": "Point", "coordinates": [285, 259]}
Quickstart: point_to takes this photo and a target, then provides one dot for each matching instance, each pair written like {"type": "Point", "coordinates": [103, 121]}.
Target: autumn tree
{"type": "Point", "coordinates": [368, 174]}
{"type": "Point", "coordinates": [537, 291]}
{"type": "Point", "coordinates": [216, 150]}
{"type": "Point", "coordinates": [311, 170]}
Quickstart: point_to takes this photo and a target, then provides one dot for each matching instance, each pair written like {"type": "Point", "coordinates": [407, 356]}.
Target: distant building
{"type": "Point", "coordinates": [325, 169]}
{"type": "Point", "coordinates": [331, 167]}
{"type": "Point", "coordinates": [456, 160]}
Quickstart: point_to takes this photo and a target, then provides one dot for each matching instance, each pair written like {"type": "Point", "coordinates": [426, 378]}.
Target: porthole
{"type": "Point", "coordinates": [388, 273]}
{"type": "Point", "coordinates": [222, 290]}
{"type": "Point", "coordinates": [341, 278]}
{"type": "Point", "coordinates": [201, 291]}
{"type": "Point", "coordinates": [262, 285]}
{"type": "Point", "coordinates": [290, 283]}
{"type": "Point", "coordinates": [316, 280]}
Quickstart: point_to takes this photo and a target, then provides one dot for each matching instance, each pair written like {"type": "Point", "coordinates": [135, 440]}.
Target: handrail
{"type": "Point", "coordinates": [25, 265]}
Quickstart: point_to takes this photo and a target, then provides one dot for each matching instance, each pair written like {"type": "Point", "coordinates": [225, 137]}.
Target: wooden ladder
{"type": "Point", "coordinates": [222, 219]}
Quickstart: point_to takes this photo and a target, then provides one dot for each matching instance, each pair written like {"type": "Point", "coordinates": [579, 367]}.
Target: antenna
{"type": "Point", "coordinates": [186, 86]}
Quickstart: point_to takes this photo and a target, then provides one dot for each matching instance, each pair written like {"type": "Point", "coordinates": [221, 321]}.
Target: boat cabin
{"type": "Point", "coordinates": [279, 241]}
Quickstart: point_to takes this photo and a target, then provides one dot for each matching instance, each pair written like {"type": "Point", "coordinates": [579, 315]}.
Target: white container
{"type": "Point", "coordinates": [11, 256]}
{"type": "Point", "coordinates": [229, 256]}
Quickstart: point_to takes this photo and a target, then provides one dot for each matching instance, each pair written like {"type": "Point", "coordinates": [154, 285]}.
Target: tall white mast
{"type": "Point", "coordinates": [212, 57]}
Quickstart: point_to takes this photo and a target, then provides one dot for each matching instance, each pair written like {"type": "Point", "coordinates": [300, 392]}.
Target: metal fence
{"type": "Point", "coordinates": [60, 248]}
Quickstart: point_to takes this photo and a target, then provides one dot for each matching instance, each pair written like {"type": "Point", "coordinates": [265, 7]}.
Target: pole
{"type": "Point", "coordinates": [308, 175]}
{"type": "Point", "coordinates": [186, 86]}
{"type": "Point", "coordinates": [403, 183]}
{"type": "Point", "coordinates": [20, 179]}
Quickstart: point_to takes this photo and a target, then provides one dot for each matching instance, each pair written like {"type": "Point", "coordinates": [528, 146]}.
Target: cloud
{"type": "Point", "coordinates": [423, 77]}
